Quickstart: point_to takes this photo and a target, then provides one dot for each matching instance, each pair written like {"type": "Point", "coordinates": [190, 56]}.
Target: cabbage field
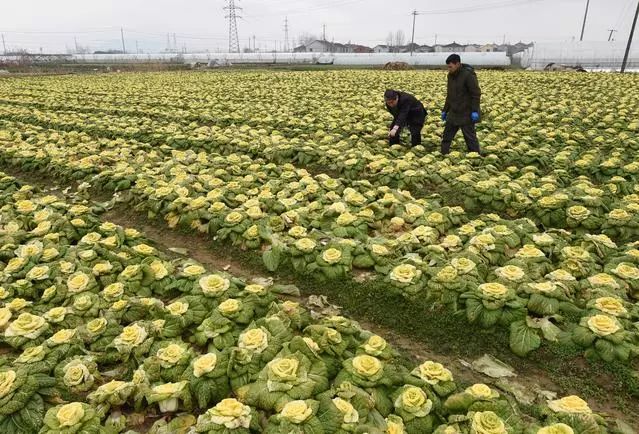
{"type": "Point", "coordinates": [531, 250]}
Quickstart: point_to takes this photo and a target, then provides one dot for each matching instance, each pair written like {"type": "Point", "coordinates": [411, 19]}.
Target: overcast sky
{"type": "Point", "coordinates": [201, 25]}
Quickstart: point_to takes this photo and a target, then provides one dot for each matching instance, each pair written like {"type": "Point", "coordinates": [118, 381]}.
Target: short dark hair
{"type": "Point", "coordinates": [453, 58]}
{"type": "Point", "coordinates": [390, 94]}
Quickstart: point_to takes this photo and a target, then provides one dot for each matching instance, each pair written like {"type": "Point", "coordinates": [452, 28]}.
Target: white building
{"type": "Point", "coordinates": [488, 48]}
{"type": "Point", "coordinates": [319, 46]}
{"type": "Point", "coordinates": [449, 48]}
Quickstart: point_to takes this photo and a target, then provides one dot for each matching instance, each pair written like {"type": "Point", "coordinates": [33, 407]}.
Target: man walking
{"type": "Point", "coordinates": [461, 110]}
{"type": "Point", "coordinates": [407, 111]}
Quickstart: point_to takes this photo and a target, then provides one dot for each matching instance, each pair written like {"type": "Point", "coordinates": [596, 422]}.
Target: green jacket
{"type": "Point", "coordinates": [463, 96]}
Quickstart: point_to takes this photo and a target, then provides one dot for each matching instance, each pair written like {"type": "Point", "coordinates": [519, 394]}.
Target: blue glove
{"type": "Point", "coordinates": [474, 116]}
{"type": "Point", "coordinates": [444, 116]}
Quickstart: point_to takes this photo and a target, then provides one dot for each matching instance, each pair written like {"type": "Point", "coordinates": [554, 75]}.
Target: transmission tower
{"type": "Point", "coordinates": [234, 41]}
{"type": "Point", "coordinates": [286, 48]}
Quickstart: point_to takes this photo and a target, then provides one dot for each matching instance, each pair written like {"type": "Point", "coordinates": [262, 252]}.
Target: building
{"type": "Point", "coordinates": [517, 48]}
{"type": "Point", "coordinates": [449, 48]}
{"type": "Point", "coordinates": [381, 49]}
{"type": "Point", "coordinates": [471, 48]}
{"type": "Point", "coordinates": [488, 48]}
{"type": "Point", "coordinates": [319, 46]}
{"type": "Point", "coordinates": [356, 48]}
{"type": "Point", "coordinates": [408, 48]}
{"type": "Point", "coordinates": [416, 48]}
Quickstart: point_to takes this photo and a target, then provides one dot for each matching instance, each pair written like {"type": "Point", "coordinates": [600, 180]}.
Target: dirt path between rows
{"type": "Point", "coordinates": [200, 248]}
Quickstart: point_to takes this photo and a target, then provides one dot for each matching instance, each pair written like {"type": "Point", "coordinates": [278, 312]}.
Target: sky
{"type": "Point", "coordinates": [200, 25]}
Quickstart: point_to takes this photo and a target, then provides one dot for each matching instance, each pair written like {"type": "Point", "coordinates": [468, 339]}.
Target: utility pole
{"type": "Point", "coordinates": [632, 34]}
{"type": "Point", "coordinates": [324, 32]}
{"type": "Point", "coordinates": [137, 48]}
{"type": "Point", "coordinates": [611, 32]}
{"type": "Point", "coordinates": [168, 43]}
{"type": "Point", "coordinates": [583, 27]}
{"type": "Point", "coordinates": [4, 46]}
{"type": "Point", "coordinates": [412, 39]}
{"type": "Point", "coordinates": [76, 44]}
{"type": "Point", "coordinates": [435, 39]}
{"type": "Point", "coordinates": [254, 49]}
{"type": "Point", "coordinates": [234, 42]}
{"type": "Point", "coordinates": [286, 34]}
{"type": "Point", "coordinates": [122, 36]}
{"type": "Point", "coordinates": [175, 43]}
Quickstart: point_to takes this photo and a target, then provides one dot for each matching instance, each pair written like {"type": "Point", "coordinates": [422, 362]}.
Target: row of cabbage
{"type": "Point", "coordinates": [500, 273]}
{"type": "Point", "coordinates": [519, 103]}
{"type": "Point", "coordinates": [97, 325]}
{"type": "Point", "coordinates": [351, 153]}
{"type": "Point", "coordinates": [558, 200]}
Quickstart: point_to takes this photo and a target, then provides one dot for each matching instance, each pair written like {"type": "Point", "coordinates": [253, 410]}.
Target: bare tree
{"type": "Point", "coordinates": [83, 49]}
{"type": "Point", "coordinates": [399, 39]}
{"type": "Point", "coordinates": [390, 40]}
{"type": "Point", "coordinates": [395, 40]}
{"type": "Point", "coordinates": [306, 38]}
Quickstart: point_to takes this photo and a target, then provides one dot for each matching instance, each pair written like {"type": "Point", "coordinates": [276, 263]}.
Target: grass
{"type": "Point", "coordinates": [612, 384]}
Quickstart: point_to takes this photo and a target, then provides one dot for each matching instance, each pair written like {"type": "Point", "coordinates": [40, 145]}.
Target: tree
{"type": "Point", "coordinates": [395, 40]}
{"type": "Point", "coordinates": [390, 41]}
{"type": "Point", "coordinates": [306, 38]}
{"type": "Point", "coordinates": [399, 39]}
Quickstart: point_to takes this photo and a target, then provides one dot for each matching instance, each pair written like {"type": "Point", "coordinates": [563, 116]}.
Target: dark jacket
{"type": "Point", "coordinates": [463, 96]}
{"type": "Point", "coordinates": [409, 110]}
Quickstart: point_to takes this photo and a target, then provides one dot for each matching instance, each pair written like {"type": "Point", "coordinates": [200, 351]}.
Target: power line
{"type": "Point", "coordinates": [412, 41]}
{"type": "Point", "coordinates": [46, 32]}
{"type": "Point", "coordinates": [286, 34]}
{"type": "Point", "coordinates": [289, 12]}
{"type": "Point", "coordinates": [622, 15]}
{"type": "Point", "coordinates": [632, 33]}
{"type": "Point", "coordinates": [583, 27]}
{"type": "Point", "coordinates": [234, 41]}
{"type": "Point", "coordinates": [496, 5]}
{"type": "Point", "coordinates": [122, 36]}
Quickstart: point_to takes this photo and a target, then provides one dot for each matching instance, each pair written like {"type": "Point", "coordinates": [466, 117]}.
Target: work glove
{"type": "Point", "coordinates": [474, 116]}
{"type": "Point", "coordinates": [444, 116]}
{"type": "Point", "coordinates": [393, 131]}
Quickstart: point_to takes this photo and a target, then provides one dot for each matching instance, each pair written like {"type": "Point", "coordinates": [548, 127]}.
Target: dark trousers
{"type": "Point", "coordinates": [415, 135]}
{"type": "Point", "coordinates": [470, 136]}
